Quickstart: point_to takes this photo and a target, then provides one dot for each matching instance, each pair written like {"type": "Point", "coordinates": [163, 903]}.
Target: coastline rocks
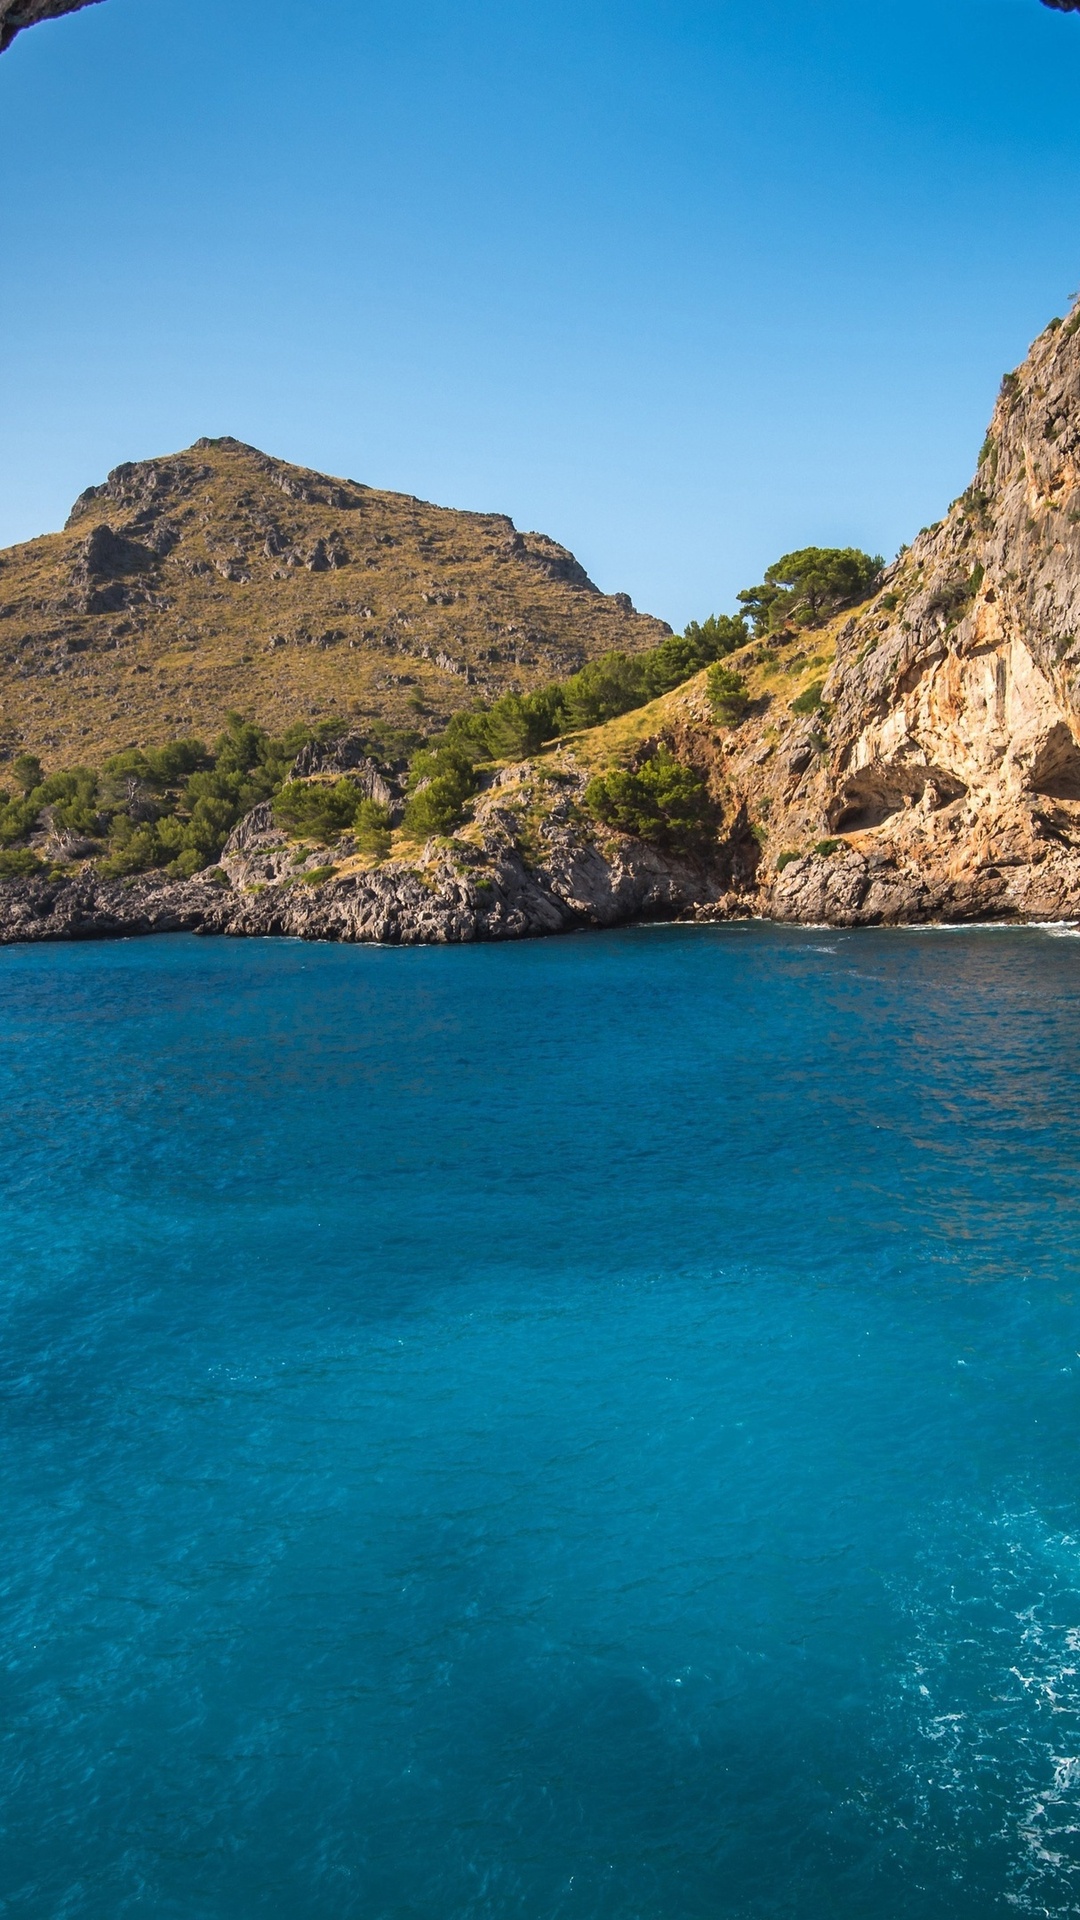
{"type": "Point", "coordinates": [83, 907]}
{"type": "Point", "coordinates": [459, 892]}
{"type": "Point", "coordinates": [853, 889]}
{"type": "Point", "coordinates": [454, 892]}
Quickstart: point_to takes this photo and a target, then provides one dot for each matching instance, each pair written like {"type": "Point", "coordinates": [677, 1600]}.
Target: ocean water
{"type": "Point", "coordinates": [589, 1428]}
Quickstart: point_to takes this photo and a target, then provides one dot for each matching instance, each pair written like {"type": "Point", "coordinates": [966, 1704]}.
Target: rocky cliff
{"type": "Point", "coordinates": [941, 774]}
{"type": "Point", "coordinates": [17, 14]}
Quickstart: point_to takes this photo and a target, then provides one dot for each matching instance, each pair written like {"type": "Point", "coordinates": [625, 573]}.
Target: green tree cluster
{"type": "Point", "coordinates": [808, 587]}
{"type": "Point", "coordinates": [442, 779]}
{"type": "Point", "coordinates": [520, 724]}
{"type": "Point", "coordinates": [323, 810]}
{"type": "Point", "coordinates": [728, 695]}
{"type": "Point", "coordinates": [16, 863]}
{"type": "Point", "coordinates": [170, 807]}
{"type": "Point", "coordinates": [661, 802]}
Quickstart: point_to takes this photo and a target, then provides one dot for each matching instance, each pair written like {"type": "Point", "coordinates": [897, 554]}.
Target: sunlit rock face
{"type": "Point", "coordinates": [944, 771]}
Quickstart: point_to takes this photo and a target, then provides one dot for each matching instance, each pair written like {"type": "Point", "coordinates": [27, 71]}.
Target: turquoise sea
{"type": "Point", "coordinates": [588, 1428]}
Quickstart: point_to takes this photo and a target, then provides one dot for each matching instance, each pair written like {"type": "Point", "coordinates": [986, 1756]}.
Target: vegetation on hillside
{"type": "Point", "coordinates": [728, 695]}
{"type": "Point", "coordinates": [321, 811]}
{"type": "Point", "coordinates": [519, 724]}
{"type": "Point", "coordinates": [443, 777]}
{"type": "Point", "coordinates": [661, 802]}
{"type": "Point", "coordinates": [173, 807]}
{"type": "Point", "coordinates": [232, 580]}
{"type": "Point", "coordinates": [169, 807]}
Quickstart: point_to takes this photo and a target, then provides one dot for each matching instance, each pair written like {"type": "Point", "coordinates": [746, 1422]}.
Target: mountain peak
{"type": "Point", "coordinates": [222, 577]}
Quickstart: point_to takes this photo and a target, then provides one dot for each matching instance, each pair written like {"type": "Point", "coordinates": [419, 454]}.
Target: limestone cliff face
{"type": "Point", "coordinates": [17, 14]}
{"type": "Point", "coordinates": [944, 762]}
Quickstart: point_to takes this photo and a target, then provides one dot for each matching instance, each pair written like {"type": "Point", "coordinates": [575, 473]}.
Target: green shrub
{"type": "Point", "coordinates": [785, 860]}
{"type": "Point", "coordinates": [809, 700]}
{"type": "Point", "coordinates": [826, 848]}
{"type": "Point", "coordinates": [134, 849]}
{"type": "Point", "coordinates": [318, 876]}
{"type": "Point", "coordinates": [188, 862]}
{"type": "Point", "coordinates": [443, 780]}
{"type": "Point", "coordinates": [663, 803]}
{"type": "Point", "coordinates": [510, 729]}
{"type": "Point", "coordinates": [75, 801]}
{"type": "Point", "coordinates": [721, 633]}
{"type": "Point", "coordinates": [16, 863]}
{"type": "Point", "coordinates": [17, 817]}
{"type": "Point", "coordinates": [437, 808]}
{"type": "Point", "coordinates": [317, 807]}
{"type": "Point", "coordinates": [685, 654]}
{"type": "Point", "coordinates": [728, 695]}
{"type": "Point", "coordinates": [371, 828]}
{"type": "Point", "coordinates": [169, 764]}
{"type": "Point", "coordinates": [605, 688]}
{"type": "Point", "coordinates": [28, 771]}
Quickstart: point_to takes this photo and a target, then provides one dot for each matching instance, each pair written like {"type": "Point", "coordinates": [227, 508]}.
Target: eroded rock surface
{"type": "Point", "coordinates": [941, 774]}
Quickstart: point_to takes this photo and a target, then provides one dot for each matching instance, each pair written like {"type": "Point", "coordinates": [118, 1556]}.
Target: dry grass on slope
{"type": "Point", "coordinates": [237, 581]}
{"type": "Point", "coordinates": [778, 672]}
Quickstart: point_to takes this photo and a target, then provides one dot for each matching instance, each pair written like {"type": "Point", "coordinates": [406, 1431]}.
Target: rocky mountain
{"type": "Point", "coordinates": [220, 578]}
{"type": "Point", "coordinates": [17, 14]}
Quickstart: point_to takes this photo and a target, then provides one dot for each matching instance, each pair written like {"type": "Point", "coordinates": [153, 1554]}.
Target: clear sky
{"type": "Point", "coordinates": [684, 283]}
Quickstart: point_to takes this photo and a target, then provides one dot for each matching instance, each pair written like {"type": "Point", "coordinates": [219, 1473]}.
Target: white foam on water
{"type": "Point", "coordinates": [1057, 929]}
{"type": "Point", "coordinates": [992, 1691]}
{"type": "Point", "coordinates": [963, 926]}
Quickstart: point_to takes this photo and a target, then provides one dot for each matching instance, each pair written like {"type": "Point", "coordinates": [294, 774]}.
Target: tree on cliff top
{"type": "Point", "coordinates": [807, 587]}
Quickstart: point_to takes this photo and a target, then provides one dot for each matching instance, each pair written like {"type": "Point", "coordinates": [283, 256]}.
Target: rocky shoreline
{"type": "Point", "coordinates": [438, 903]}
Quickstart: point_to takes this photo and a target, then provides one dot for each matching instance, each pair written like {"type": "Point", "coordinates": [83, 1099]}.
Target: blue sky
{"type": "Point", "coordinates": [683, 284]}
